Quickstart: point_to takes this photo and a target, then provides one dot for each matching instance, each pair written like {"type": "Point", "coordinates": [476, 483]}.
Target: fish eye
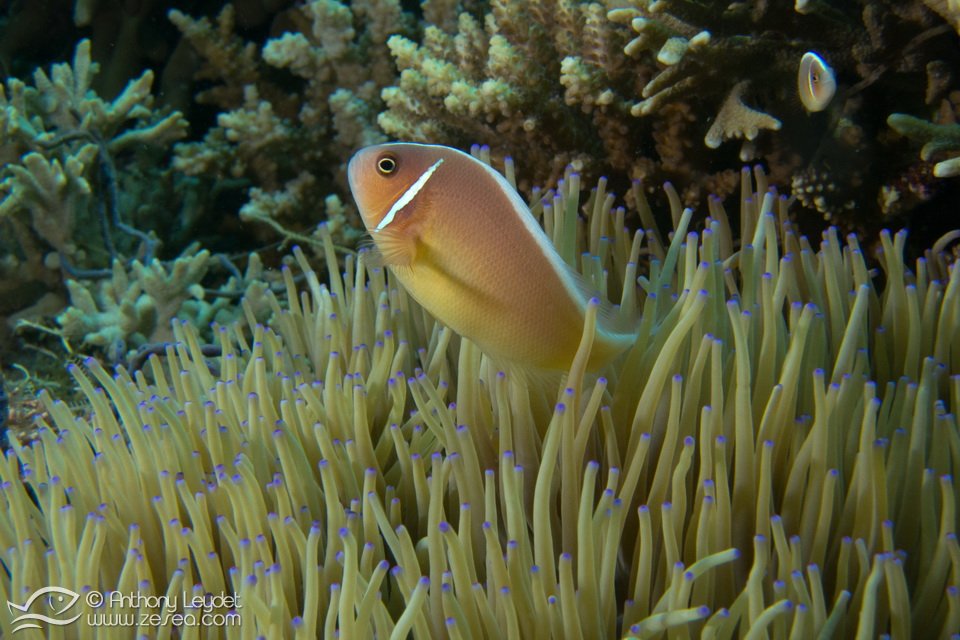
{"type": "Point", "coordinates": [387, 165]}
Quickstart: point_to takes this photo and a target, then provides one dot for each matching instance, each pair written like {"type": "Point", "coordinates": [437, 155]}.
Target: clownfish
{"type": "Point", "coordinates": [463, 243]}
{"type": "Point", "coordinates": [816, 83]}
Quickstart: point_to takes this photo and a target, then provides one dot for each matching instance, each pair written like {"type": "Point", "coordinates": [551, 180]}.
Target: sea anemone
{"type": "Point", "coordinates": [773, 457]}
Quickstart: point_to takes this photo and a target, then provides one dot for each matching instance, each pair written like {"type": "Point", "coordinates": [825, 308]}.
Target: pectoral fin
{"type": "Point", "coordinates": [397, 248]}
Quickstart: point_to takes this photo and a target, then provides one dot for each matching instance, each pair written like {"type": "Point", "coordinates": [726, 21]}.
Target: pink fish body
{"type": "Point", "coordinates": [466, 247]}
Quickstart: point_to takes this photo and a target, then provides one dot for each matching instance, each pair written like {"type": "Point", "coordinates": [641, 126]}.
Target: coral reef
{"type": "Point", "coordinates": [286, 140]}
{"type": "Point", "coordinates": [921, 181]}
{"type": "Point", "coordinates": [689, 57]}
{"type": "Point", "coordinates": [774, 456]}
{"type": "Point", "coordinates": [937, 139]}
{"type": "Point", "coordinates": [127, 36]}
{"type": "Point", "coordinates": [737, 120]}
{"type": "Point", "coordinates": [652, 90]}
{"type": "Point", "coordinates": [123, 307]}
{"type": "Point", "coordinates": [552, 86]}
{"type": "Point", "coordinates": [740, 58]}
{"type": "Point", "coordinates": [75, 210]}
{"type": "Point", "coordinates": [524, 77]}
{"type": "Point", "coordinates": [135, 306]}
{"type": "Point", "coordinates": [60, 208]}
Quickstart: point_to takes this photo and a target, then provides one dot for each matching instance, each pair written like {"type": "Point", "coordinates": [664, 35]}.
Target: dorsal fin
{"type": "Point", "coordinates": [612, 328]}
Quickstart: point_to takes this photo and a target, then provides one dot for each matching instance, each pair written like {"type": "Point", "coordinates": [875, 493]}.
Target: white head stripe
{"type": "Point", "coordinates": [408, 195]}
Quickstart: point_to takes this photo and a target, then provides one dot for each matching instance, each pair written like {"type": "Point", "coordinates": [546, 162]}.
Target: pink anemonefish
{"type": "Point", "coordinates": [816, 83]}
{"type": "Point", "coordinates": [467, 248]}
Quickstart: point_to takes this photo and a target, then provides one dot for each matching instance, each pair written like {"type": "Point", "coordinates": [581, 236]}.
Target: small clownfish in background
{"type": "Point", "coordinates": [467, 248]}
{"type": "Point", "coordinates": [816, 83]}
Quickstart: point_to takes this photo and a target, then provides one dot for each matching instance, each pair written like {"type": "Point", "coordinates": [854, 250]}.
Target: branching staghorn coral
{"type": "Point", "coordinates": [286, 143]}
{"type": "Point", "coordinates": [60, 207]}
{"type": "Point", "coordinates": [774, 455]}
{"type": "Point", "coordinates": [70, 209]}
{"type": "Point", "coordinates": [126, 37]}
{"type": "Point", "coordinates": [552, 83]}
{"type": "Point", "coordinates": [938, 139]}
{"type": "Point", "coordinates": [127, 309]}
{"type": "Point", "coordinates": [690, 58]}
{"type": "Point", "coordinates": [540, 79]}
{"type": "Point", "coordinates": [133, 308]}
{"type": "Point", "coordinates": [921, 180]}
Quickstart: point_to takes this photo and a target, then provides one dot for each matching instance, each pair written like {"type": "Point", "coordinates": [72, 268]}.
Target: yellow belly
{"type": "Point", "coordinates": [530, 321]}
